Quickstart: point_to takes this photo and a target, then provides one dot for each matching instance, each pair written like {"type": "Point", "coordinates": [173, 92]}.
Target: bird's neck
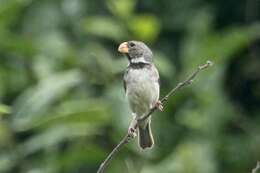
{"type": "Point", "coordinates": [139, 62]}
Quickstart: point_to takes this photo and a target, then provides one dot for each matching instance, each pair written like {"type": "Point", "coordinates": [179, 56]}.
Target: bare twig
{"type": "Point", "coordinates": [256, 168]}
{"type": "Point", "coordinates": [129, 136]}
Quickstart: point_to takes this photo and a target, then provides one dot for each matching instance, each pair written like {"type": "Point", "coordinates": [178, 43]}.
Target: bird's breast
{"type": "Point", "coordinates": [142, 90]}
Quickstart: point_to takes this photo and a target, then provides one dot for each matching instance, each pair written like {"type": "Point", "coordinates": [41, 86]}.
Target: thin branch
{"type": "Point", "coordinates": [256, 168]}
{"type": "Point", "coordinates": [129, 136]}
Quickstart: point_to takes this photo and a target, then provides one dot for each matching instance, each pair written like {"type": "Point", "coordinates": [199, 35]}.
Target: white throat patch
{"type": "Point", "coordinates": [138, 60]}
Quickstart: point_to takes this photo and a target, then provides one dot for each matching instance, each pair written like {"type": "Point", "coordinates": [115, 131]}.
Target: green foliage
{"type": "Point", "coordinates": [105, 27]}
{"type": "Point", "coordinates": [145, 27]}
{"type": "Point", "coordinates": [62, 104]}
{"type": "Point", "coordinates": [4, 109]}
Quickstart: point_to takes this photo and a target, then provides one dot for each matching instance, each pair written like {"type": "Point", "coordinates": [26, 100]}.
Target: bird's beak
{"type": "Point", "coordinates": [123, 47]}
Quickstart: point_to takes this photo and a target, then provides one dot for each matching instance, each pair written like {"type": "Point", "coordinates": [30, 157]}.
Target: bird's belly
{"type": "Point", "coordinates": [142, 93]}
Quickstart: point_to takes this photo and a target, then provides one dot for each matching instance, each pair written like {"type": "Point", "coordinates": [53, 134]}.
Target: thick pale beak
{"type": "Point", "coordinates": [123, 47]}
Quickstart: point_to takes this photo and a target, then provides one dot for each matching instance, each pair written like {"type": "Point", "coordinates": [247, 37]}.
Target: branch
{"type": "Point", "coordinates": [129, 136]}
{"type": "Point", "coordinates": [256, 168]}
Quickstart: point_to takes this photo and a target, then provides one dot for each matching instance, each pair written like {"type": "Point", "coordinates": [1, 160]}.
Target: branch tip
{"type": "Point", "coordinates": [210, 63]}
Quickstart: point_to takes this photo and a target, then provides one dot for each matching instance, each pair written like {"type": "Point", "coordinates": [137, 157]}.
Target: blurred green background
{"type": "Point", "coordinates": [62, 104]}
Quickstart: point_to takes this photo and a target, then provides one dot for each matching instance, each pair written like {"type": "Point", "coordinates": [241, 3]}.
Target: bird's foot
{"type": "Point", "coordinates": [132, 128]}
{"type": "Point", "coordinates": [132, 132]}
{"type": "Point", "coordinates": [159, 105]}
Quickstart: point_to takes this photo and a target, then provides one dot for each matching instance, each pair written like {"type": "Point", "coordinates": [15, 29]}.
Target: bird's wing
{"type": "Point", "coordinates": [124, 79]}
{"type": "Point", "coordinates": [155, 74]}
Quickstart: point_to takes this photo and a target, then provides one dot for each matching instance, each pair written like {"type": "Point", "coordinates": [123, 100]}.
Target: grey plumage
{"type": "Point", "coordinates": [142, 87]}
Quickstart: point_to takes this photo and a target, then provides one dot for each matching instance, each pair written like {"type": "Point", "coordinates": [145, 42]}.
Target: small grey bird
{"type": "Point", "coordinates": [141, 84]}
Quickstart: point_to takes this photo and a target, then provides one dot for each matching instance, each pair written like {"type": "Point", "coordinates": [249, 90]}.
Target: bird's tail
{"type": "Point", "coordinates": [145, 136]}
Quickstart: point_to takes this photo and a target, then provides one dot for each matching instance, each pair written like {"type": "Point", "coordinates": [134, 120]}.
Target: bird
{"type": "Point", "coordinates": [142, 89]}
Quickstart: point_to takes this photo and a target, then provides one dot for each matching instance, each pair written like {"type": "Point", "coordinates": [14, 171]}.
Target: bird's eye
{"type": "Point", "coordinates": [131, 44]}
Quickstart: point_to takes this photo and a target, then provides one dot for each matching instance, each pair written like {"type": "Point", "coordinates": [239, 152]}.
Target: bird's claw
{"type": "Point", "coordinates": [159, 105]}
{"type": "Point", "coordinates": [132, 132]}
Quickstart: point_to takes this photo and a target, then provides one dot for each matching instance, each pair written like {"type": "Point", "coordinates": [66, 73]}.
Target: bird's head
{"type": "Point", "coordinates": [136, 51]}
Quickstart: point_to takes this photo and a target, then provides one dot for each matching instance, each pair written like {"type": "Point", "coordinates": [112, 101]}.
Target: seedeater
{"type": "Point", "coordinates": [141, 84]}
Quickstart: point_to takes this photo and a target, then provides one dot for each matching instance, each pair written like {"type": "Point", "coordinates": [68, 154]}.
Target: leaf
{"type": "Point", "coordinates": [121, 8]}
{"type": "Point", "coordinates": [145, 27]}
{"type": "Point", "coordinates": [4, 109]}
{"type": "Point", "coordinates": [56, 134]}
{"type": "Point", "coordinates": [6, 162]}
{"type": "Point", "coordinates": [104, 27]}
{"type": "Point", "coordinates": [36, 101]}
{"type": "Point", "coordinates": [74, 111]}
{"type": "Point", "coordinates": [218, 46]}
